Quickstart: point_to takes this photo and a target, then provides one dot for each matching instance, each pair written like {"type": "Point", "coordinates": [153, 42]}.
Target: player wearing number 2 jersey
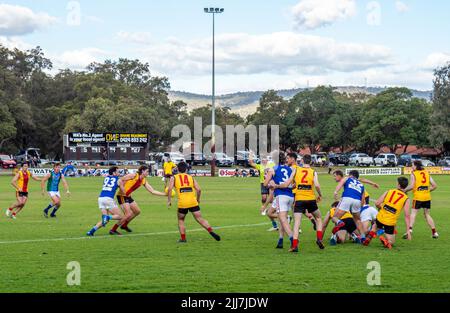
{"type": "Point", "coordinates": [391, 203]}
{"type": "Point", "coordinates": [106, 202]}
{"type": "Point", "coordinates": [188, 192]}
{"type": "Point", "coordinates": [422, 185]}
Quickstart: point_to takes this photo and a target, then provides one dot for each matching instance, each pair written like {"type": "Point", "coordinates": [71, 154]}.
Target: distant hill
{"type": "Point", "coordinates": [245, 103]}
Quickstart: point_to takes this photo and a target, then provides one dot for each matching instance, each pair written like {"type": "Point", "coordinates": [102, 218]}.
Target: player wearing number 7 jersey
{"type": "Point", "coordinates": [391, 203]}
{"type": "Point", "coordinates": [422, 185]}
{"type": "Point", "coordinates": [106, 203]}
{"type": "Point", "coordinates": [188, 191]}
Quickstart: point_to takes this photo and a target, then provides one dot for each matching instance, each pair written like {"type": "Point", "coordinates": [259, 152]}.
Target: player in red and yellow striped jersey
{"type": "Point", "coordinates": [188, 191]}
{"type": "Point", "coordinates": [422, 184]}
{"type": "Point", "coordinates": [128, 184]}
{"type": "Point", "coordinates": [20, 184]}
{"type": "Point", "coordinates": [390, 205]}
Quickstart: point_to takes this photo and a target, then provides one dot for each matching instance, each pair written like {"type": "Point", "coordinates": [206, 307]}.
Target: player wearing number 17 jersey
{"type": "Point", "coordinates": [188, 192]}
{"type": "Point", "coordinates": [391, 203]}
{"type": "Point", "coordinates": [106, 203]}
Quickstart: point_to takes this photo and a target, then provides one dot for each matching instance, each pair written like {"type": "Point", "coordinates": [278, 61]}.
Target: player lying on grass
{"type": "Point", "coordinates": [422, 184]}
{"type": "Point", "coordinates": [391, 203]}
{"type": "Point", "coordinates": [284, 197]}
{"type": "Point", "coordinates": [53, 179]}
{"type": "Point", "coordinates": [368, 217]}
{"type": "Point", "coordinates": [266, 193]}
{"type": "Point", "coordinates": [106, 203]}
{"type": "Point", "coordinates": [346, 231]}
{"type": "Point", "coordinates": [306, 181]}
{"type": "Point", "coordinates": [127, 185]}
{"type": "Point", "coordinates": [188, 192]}
{"type": "Point", "coordinates": [20, 184]}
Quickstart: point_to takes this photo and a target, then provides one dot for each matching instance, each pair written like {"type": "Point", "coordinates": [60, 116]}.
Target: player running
{"type": "Point", "coordinates": [106, 203]}
{"type": "Point", "coordinates": [266, 193]}
{"type": "Point", "coordinates": [348, 230]}
{"type": "Point", "coordinates": [284, 197]}
{"type": "Point", "coordinates": [422, 184]}
{"type": "Point", "coordinates": [20, 184]}
{"type": "Point", "coordinates": [352, 199]}
{"type": "Point", "coordinates": [391, 203]}
{"type": "Point", "coordinates": [188, 191]}
{"type": "Point", "coordinates": [306, 181]}
{"type": "Point", "coordinates": [128, 184]}
{"type": "Point", "coordinates": [53, 179]}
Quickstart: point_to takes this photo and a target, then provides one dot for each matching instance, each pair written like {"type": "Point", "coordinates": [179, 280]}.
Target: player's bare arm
{"type": "Point", "coordinates": [65, 184]}
{"type": "Point", "coordinates": [35, 178]}
{"type": "Point", "coordinates": [197, 190]}
{"type": "Point", "coordinates": [433, 184]}
{"type": "Point", "coordinates": [339, 187]}
{"type": "Point", "coordinates": [317, 186]}
{"type": "Point", "coordinates": [407, 220]}
{"type": "Point", "coordinates": [288, 182]}
{"type": "Point", "coordinates": [369, 182]}
{"type": "Point", "coordinates": [380, 200]}
{"type": "Point", "coordinates": [153, 191]}
{"type": "Point", "coordinates": [268, 178]}
{"type": "Point", "coordinates": [43, 181]}
{"type": "Point", "coordinates": [169, 191]}
{"type": "Point", "coordinates": [14, 182]}
{"type": "Point", "coordinates": [412, 181]}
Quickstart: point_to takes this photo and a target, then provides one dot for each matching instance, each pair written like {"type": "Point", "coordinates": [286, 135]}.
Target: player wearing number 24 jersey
{"type": "Point", "coordinates": [188, 192]}
{"type": "Point", "coordinates": [106, 203]}
{"type": "Point", "coordinates": [390, 205]}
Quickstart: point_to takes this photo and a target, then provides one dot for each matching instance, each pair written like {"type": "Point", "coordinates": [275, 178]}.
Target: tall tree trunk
{"type": "Point", "coordinates": [405, 148]}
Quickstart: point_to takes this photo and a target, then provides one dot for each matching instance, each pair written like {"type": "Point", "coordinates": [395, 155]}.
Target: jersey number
{"type": "Point", "coordinates": [109, 183]}
{"type": "Point", "coordinates": [424, 178]}
{"type": "Point", "coordinates": [305, 173]}
{"type": "Point", "coordinates": [184, 180]}
{"type": "Point", "coordinates": [285, 174]}
{"type": "Point", "coordinates": [400, 196]}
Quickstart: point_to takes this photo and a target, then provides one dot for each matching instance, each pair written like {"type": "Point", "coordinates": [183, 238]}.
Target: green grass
{"type": "Point", "coordinates": [244, 261]}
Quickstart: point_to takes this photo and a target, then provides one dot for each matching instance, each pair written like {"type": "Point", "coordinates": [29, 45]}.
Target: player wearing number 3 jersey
{"type": "Point", "coordinates": [188, 192]}
{"type": "Point", "coordinates": [391, 203]}
{"type": "Point", "coordinates": [106, 203]}
{"type": "Point", "coordinates": [422, 185]}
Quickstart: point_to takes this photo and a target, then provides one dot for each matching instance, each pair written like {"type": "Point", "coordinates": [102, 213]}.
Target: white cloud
{"type": "Point", "coordinates": [311, 14]}
{"type": "Point", "coordinates": [401, 6]}
{"type": "Point", "coordinates": [135, 37]}
{"type": "Point", "coordinates": [14, 42]}
{"type": "Point", "coordinates": [279, 53]}
{"type": "Point", "coordinates": [78, 59]}
{"type": "Point", "coordinates": [18, 20]}
{"type": "Point", "coordinates": [435, 60]}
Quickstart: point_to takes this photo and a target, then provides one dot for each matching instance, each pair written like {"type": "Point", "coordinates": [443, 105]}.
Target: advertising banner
{"type": "Point", "coordinates": [376, 171]}
{"type": "Point", "coordinates": [433, 170]}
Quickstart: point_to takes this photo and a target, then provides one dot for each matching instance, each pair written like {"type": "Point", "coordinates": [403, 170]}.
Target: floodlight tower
{"type": "Point", "coordinates": [213, 12]}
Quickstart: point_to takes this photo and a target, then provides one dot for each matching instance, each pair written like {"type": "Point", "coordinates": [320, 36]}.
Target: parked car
{"type": "Point", "coordinates": [176, 157]}
{"type": "Point", "coordinates": [338, 159]}
{"type": "Point", "coordinates": [426, 162]}
{"type": "Point", "coordinates": [27, 155]}
{"type": "Point", "coordinates": [385, 159]}
{"type": "Point", "coordinates": [242, 157]}
{"type": "Point", "coordinates": [444, 162]}
{"type": "Point", "coordinates": [407, 159]}
{"type": "Point", "coordinates": [222, 159]}
{"type": "Point", "coordinates": [360, 159]}
{"type": "Point", "coordinates": [196, 158]}
{"type": "Point", "coordinates": [6, 161]}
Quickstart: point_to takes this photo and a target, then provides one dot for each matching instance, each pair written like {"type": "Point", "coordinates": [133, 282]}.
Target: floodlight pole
{"type": "Point", "coordinates": [213, 11]}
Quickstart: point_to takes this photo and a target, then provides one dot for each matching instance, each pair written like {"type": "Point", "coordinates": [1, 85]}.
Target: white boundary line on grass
{"type": "Point", "coordinates": [125, 236]}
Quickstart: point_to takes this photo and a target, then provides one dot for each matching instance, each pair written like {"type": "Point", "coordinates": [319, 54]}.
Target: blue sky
{"type": "Point", "coordinates": [260, 44]}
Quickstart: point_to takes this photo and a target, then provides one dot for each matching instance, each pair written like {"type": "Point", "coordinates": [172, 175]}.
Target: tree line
{"type": "Point", "coordinates": [37, 108]}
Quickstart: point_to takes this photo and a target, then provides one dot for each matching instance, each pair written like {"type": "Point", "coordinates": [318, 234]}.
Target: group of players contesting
{"type": "Point", "coordinates": [285, 187]}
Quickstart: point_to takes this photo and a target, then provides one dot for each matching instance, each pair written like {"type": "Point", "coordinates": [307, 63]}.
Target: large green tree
{"type": "Point", "coordinates": [440, 131]}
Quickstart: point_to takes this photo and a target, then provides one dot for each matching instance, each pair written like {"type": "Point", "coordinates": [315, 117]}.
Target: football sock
{"type": "Point", "coordinates": [292, 240]}
{"type": "Point", "coordinates": [274, 224]}
{"type": "Point", "coordinates": [371, 234]}
{"type": "Point", "coordinates": [319, 235]}
{"type": "Point", "coordinates": [433, 230]}
{"type": "Point", "coordinates": [125, 225]}
{"type": "Point", "coordinates": [94, 229]}
{"type": "Point", "coordinates": [54, 210]}
{"type": "Point", "coordinates": [48, 207]}
{"type": "Point", "coordinates": [114, 228]}
{"type": "Point", "coordinates": [295, 243]}
{"type": "Point", "coordinates": [183, 236]}
{"type": "Point", "coordinates": [209, 229]}
{"type": "Point", "coordinates": [10, 209]}
{"type": "Point", "coordinates": [280, 241]}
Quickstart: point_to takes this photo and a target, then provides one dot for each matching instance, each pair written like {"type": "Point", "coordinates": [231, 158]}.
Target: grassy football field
{"type": "Point", "coordinates": [35, 251]}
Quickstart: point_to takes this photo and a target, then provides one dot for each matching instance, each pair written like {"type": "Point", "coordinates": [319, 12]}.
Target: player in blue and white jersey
{"type": "Point", "coordinates": [283, 197]}
{"type": "Point", "coordinates": [352, 200]}
{"type": "Point", "coordinates": [106, 202]}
